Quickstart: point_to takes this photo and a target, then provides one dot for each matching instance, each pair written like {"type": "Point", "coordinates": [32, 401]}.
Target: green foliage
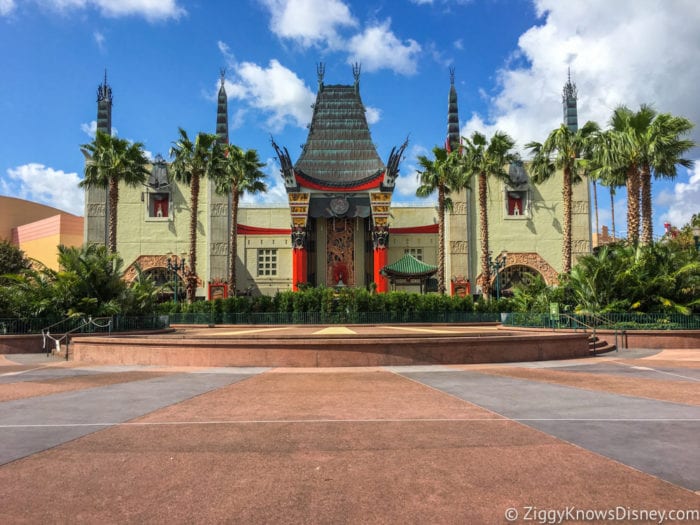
{"type": "Point", "coordinates": [89, 282]}
{"type": "Point", "coordinates": [12, 259]}
{"type": "Point", "coordinates": [348, 305]}
{"type": "Point", "coordinates": [660, 277]}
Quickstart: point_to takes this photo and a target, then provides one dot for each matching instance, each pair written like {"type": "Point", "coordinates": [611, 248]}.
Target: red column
{"type": "Point", "coordinates": [381, 257]}
{"type": "Point", "coordinates": [298, 267]}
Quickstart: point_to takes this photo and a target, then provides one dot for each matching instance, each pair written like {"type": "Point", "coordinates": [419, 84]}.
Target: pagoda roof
{"type": "Point", "coordinates": [339, 152]}
{"type": "Point", "coordinates": [409, 267]}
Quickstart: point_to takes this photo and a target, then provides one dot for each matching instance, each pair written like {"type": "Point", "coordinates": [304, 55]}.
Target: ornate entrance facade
{"type": "Point", "coordinates": [336, 187]}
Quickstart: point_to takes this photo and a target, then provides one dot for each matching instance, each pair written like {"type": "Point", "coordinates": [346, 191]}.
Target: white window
{"type": "Point", "coordinates": [159, 205]}
{"type": "Point", "coordinates": [267, 262]}
{"type": "Point", "coordinates": [416, 252]}
{"type": "Point", "coordinates": [517, 203]}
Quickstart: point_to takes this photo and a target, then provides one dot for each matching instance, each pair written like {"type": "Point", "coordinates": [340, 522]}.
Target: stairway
{"type": "Point", "coordinates": [597, 346]}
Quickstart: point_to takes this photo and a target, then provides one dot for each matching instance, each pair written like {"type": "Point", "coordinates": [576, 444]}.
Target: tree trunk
{"type": "Point", "coordinates": [566, 248]}
{"type": "Point", "coordinates": [441, 240]}
{"type": "Point", "coordinates": [632, 183]}
{"type": "Point", "coordinates": [113, 201]}
{"type": "Point", "coordinates": [612, 211]}
{"type": "Point", "coordinates": [484, 234]}
{"type": "Point", "coordinates": [233, 242]}
{"type": "Point", "coordinates": [194, 209]}
{"type": "Point", "coordinates": [645, 190]}
{"type": "Point", "coordinates": [595, 207]}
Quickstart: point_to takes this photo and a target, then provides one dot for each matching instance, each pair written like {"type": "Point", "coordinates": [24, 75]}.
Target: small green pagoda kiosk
{"type": "Point", "coordinates": [408, 269]}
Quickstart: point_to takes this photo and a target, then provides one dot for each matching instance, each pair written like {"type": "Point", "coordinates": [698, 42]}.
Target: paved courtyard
{"type": "Point", "coordinates": [545, 442]}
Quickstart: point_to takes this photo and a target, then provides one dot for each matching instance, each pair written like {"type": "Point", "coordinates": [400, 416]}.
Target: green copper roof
{"type": "Point", "coordinates": [339, 149]}
{"type": "Point", "coordinates": [409, 266]}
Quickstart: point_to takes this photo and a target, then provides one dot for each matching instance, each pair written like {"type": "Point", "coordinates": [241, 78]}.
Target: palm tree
{"type": "Point", "coordinates": [444, 175]}
{"type": "Point", "coordinates": [642, 143]}
{"type": "Point", "coordinates": [193, 161]}
{"type": "Point", "coordinates": [663, 152]}
{"type": "Point", "coordinates": [111, 161]}
{"type": "Point", "coordinates": [621, 158]}
{"type": "Point", "coordinates": [239, 174]}
{"type": "Point", "coordinates": [563, 150]}
{"type": "Point", "coordinates": [603, 168]}
{"type": "Point", "coordinates": [483, 159]}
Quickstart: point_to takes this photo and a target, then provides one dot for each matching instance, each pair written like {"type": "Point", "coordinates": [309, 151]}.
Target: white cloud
{"type": "Point", "coordinates": [408, 180]}
{"type": "Point", "coordinates": [373, 115]}
{"type": "Point", "coordinates": [6, 7]}
{"type": "Point", "coordinates": [683, 201]}
{"type": "Point", "coordinates": [309, 22]}
{"type": "Point", "coordinates": [151, 10]}
{"type": "Point", "coordinates": [89, 128]}
{"type": "Point", "coordinates": [276, 192]}
{"type": "Point", "coordinates": [624, 52]}
{"type": "Point", "coordinates": [226, 51]}
{"type": "Point", "coordinates": [275, 90]}
{"type": "Point", "coordinates": [39, 183]}
{"type": "Point", "coordinates": [378, 48]}
{"type": "Point", "coordinates": [99, 40]}
{"type": "Point", "coordinates": [458, 44]}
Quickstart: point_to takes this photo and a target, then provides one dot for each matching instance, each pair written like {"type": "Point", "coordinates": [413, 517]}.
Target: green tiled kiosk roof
{"type": "Point", "coordinates": [409, 266]}
{"type": "Point", "coordinates": [339, 150]}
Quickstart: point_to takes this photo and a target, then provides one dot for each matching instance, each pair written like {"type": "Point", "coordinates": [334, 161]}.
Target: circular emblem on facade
{"type": "Point", "coordinates": [340, 206]}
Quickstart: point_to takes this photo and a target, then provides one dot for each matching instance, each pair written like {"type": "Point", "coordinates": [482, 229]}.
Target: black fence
{"type": "Point", "coordinates": [82, 325]}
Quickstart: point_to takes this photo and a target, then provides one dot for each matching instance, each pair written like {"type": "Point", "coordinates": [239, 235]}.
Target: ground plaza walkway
{"type": "Point", "coordinates": [416, 444]}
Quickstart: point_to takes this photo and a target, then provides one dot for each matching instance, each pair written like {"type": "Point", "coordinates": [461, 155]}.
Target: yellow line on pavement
{"type": "Point", "coordinates": [253, 331]}
{"type": "Point", "coordinates": [335, 330]}
{"type": "Point", "coordinates": [428, 330]}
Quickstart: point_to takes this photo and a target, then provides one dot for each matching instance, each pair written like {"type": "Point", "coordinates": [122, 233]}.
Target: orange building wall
{"type": "Point", "coordinates": [17, 212]}
{"type": "Point", "coordinates": [40, 239]}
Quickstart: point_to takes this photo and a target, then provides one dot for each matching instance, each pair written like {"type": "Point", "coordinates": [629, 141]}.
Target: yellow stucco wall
{"type": "Point", "coordinates": [539, 231]}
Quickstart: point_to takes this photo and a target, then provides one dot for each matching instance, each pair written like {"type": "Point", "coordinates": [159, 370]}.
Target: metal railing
{"type": "Point", "coordinates": [34, 326]}
{"type": "Point", "coordinates": [621, 321]}
{"type": "Point", "coordinates": [80, 324]}
{"type": "Point", "coordinates": [595, 323]}
{"type": "Point", "coordinates": [282, 318]}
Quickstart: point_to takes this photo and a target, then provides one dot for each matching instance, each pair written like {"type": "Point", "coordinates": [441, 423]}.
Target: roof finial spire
{"type": "Point", "coordinates": [222, 111]}
{"type": "Point", "coordinates": [104, 92]}
{"type": "Point", "coordinates": [453, 136]}
{"type": "Point", "coordinates": [569, 97]}
{"type": "Point", "coordinates": [320, 71]}
{"type": "Point", "coordinates": [356, 69]}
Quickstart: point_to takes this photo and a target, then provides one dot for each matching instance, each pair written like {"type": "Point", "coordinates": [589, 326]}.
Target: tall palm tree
{"type": "Point", "coordinates": [483, 159]}
{"type": "Point", "coordinates": [563, 150]}
{"type": "Point", "coordinates": [604, 168]}
{"type": "Point", "coordinates": [663, 150]}
{"type": "Point", "coordinates": [444, 175]}
{"type": "Point", "coordinates": [239, 174]}
{"type": "Point", "coordinates": [109, 162]}
{"type": "Point", "coordinates": [193, 161]}
{"type": "Point", "coordinates": [646, 143]}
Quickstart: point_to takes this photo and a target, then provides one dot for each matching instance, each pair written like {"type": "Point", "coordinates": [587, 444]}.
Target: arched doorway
{"type": "Point", "coordinates": [517, 274]}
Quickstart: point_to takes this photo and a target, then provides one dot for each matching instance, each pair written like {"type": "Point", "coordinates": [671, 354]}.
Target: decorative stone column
{"type": "Point", "coordinates": [380, 240]}
{"type": "Point", "coordinates": [299, 257]}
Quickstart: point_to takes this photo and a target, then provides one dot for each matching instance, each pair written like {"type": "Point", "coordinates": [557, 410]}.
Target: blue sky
{"type": "Point", "coordinates": [163, 59]}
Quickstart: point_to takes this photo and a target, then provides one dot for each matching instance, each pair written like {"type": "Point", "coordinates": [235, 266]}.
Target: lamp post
{"type": "Point", "coordinates": [173, 268]}
{"type": "Point", "coordinates": [696, 237]}
{"type": "Point", "coordinates": [496, 266]}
